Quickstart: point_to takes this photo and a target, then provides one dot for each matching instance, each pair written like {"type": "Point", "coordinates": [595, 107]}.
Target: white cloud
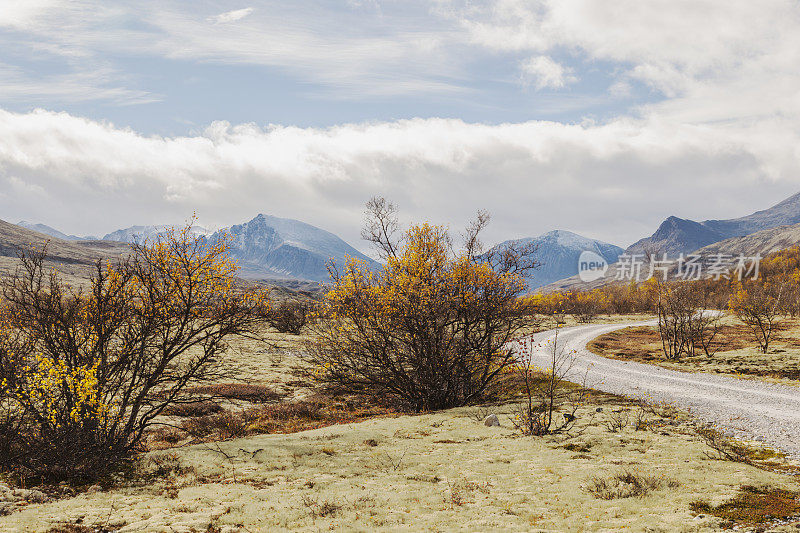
{"type": "Point", "coordinates": [22, 15]}
{"type": "Point", "coordinates": [594, 178]}
{"type": "Point", "coordinates": [231, 16]}
{"type": "Point", "coordinates": [680, 48]}
{"type": "Point", "coordinates": [546, 73]}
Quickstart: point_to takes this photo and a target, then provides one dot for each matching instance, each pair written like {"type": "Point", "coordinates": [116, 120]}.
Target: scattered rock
{"type": "Point", "coordinates": [35, 496]}
{"type": "Point", "coordinates": [491, 420]}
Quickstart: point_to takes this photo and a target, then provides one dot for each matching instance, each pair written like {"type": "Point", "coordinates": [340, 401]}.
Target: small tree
{"type": "Point", "coordinates": [551, 400]}
{"type": "Point", "coordinates": [290, 316]}
{"type": "Point", "coordinates": [83, 374]}
{"type": "Point", "coordinates": [759, 305]}
{"type": "Point", "coordinates": [685, 324]}
{"type": "Point", "coordinates": [428, 332]}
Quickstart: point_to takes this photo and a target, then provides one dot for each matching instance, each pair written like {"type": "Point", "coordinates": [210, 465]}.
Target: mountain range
{"type": "Point", "coordinates": [272, 248]}
{"type": "Point", "coordinates": [762, 232]}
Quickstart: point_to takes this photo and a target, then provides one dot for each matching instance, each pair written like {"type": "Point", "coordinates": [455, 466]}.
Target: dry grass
{"type": "Point", "coordinates": [284, 417]}
{"type": "Point", "coordinates": [754, 506]}
{"type": "Point", "coordinates": [736, 352]}
{"type": "Point", "coordinates": [627, 484]}
{"type": "Point", "coordinates": [247, 392]}
{"type": "Point", "coordinates": [75, 528]}
{"type": "Point", "coordinates": [312, 463]}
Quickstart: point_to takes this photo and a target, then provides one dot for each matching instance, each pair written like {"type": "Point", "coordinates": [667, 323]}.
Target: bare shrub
{"type": "Point", "coordinates": [626, 484]}
{"type": "Point", "coordinates": [222, 426]}
{"type": "Point", "coordinates": [319, 509]}
{"type": "Point", "coordinates": [685, 325]}
{"type": "Point", "coordinates": [193, 409]}
{"type": "Point", "coordinates": [641, 421]}
{"type": "Point", "coordinates": [290, 316]}
{"type": "Point", "coordinates": [724, 447]}
{"type": "Point", "coordinates": [551, 401]}
{"type": "Point", "coordinates": [617, 420]}
{"type": "Point", "coordinates": [248, 392]}
{"type": "Point", "coordinates": [282, 417]}
{"type": "Point", "coordinates": [760, 306]}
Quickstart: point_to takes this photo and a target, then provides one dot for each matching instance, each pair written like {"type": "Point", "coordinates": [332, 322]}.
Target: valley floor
{"type": "Point", "coordinates": [445, 471]}
{"type": "Point", "coordinates": [624, 466]}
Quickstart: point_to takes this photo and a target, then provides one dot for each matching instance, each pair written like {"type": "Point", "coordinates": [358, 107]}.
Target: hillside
{"type": "Point", "coordinates": [73, 258]}
{"type": "Point", "coordinates": [47, 230]}
{"type": "Point", "coordinates": [763, 242]}
{"type": "Point", "coordinates": [558, 251]}
{"type": "Point", "coordinates": [676, 235]}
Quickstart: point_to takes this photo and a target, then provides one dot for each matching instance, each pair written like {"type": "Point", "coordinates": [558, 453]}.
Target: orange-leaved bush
{"type": "Point", "coordinates": [429, 331]}
{"type": "Point", "coordinates": [759, 305]}
{"type": "Point", "coordinates": [84, 372]}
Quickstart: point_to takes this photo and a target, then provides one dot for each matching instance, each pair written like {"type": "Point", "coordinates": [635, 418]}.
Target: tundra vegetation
{"type": "Point", "coordinates": [169, 354]}
{"type": "Point", "coordinates": [85, 373]}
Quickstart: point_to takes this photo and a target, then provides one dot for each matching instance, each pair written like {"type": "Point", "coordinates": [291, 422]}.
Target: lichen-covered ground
{"type": "Point", "coordinates": [445, 471]}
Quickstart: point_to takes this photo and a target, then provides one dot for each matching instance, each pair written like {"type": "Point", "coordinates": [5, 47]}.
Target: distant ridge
{"type": "Point", "coordinates": [139, 234]}
{"type": "Point", "coordinates": [74, 259]}
{"type": "Point", "coordinates": [47, 230]}
{"type": "Point", "coordinates": [676, 235]}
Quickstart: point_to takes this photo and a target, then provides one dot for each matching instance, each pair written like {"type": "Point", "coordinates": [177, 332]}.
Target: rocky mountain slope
{"type": "Point", "coordinates": [558, 251]}
{"type": "Point", "coordinates": [269, 247]}
{"type": "Point", "coordinates": [675, 235]}
{"type": "Point", "coordinates": [762, 242]}
{"type": "Point", "coordinates": [138, 234]}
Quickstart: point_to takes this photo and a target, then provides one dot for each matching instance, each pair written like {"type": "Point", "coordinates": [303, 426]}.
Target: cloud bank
{"type": "Point", "coordinates": [613, 180]}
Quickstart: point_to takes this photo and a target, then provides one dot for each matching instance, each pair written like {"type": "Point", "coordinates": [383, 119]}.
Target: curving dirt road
{"type": "Point", "coordinates": [747, 409]}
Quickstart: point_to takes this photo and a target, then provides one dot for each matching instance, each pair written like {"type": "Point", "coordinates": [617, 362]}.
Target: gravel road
{"type": "Point", "coordinates": [747, 409]}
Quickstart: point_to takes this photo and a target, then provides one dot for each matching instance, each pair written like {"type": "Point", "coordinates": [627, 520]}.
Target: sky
{"type": "Point", "coordinates": [601, 117]}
